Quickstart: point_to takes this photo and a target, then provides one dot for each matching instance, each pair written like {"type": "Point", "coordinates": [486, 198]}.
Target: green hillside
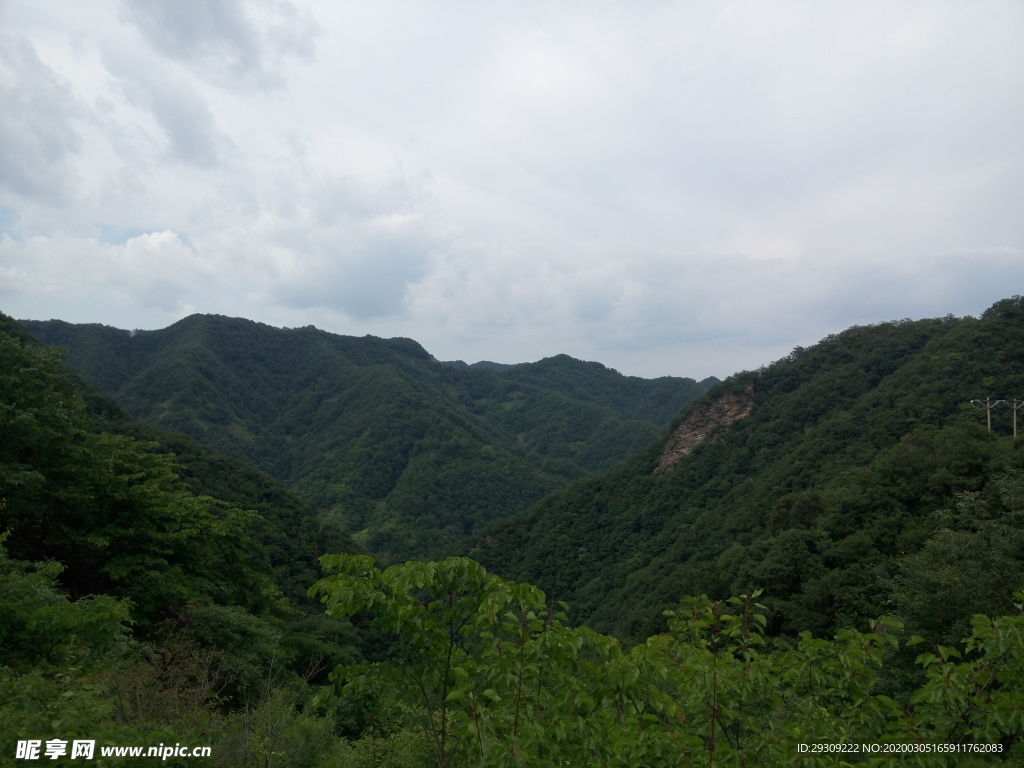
{"type": "Point", "coordinates": [127, 511]}
{"type": "Point", "coordinates": [291, 531]}
{"type": "Point", "coordinates": [860, 480]}
{"type": "Point", "coordinates": [411, 453]}
{"type": "Point", "coordinates": [849, 479]}
{"type": "Point", "coordinates": [149, 587]}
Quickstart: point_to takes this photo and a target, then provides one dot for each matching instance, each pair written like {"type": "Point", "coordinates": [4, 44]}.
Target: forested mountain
{"type": "Point", "coordinates": [292, 533]}
{"type": "Point", "coordinates": [480, 364]}
{"type": "Point", "coordinates": [851, 479]}
{"type": "Point", "coordinates": [291, 530]}
{"type": "Point", "coordinates": [410, 453]}
{"type": "Point", "coordinates": [848, 479]}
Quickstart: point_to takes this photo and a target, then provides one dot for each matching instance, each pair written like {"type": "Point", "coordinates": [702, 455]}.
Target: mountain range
{"type": "Point", "coordinates": [835, 479]}
{"type": "Point", "coordinates": [818, 478]}
{"type": "Point", "coordinates": [155, 582]}
{"type": "Point", "coordinates": [408, 453]}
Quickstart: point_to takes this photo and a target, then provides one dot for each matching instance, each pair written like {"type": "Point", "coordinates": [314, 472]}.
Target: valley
{"type": "Point", "coordinates": [406, 452]}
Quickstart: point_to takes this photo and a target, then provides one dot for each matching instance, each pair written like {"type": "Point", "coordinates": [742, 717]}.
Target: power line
{"type": "Point", "coordinates": [989, 404]}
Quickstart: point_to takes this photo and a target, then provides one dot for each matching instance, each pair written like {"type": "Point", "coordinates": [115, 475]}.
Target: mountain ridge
{"type": "Point", "coordinates": [406, 451]}
{"type": "Point", "coordinates": [840, 472]}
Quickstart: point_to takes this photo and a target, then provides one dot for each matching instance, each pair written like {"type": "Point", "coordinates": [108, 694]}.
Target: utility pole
{"type": "Point", "coordinates": [989, 405]}
{"type": "Point", "coordinates": [1016, 405]}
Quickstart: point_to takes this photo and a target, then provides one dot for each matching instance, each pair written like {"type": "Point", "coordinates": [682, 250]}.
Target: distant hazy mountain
{"type": "Point", "coordinates": [408, 452]}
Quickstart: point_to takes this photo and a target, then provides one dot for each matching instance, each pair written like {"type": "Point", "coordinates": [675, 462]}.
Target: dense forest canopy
{"type": "Point", "coordinates": [408, 453]}
{"type": "Point", "coordinates": [832, 494]}
{"type": "Point", "coordinates": [140, 601]}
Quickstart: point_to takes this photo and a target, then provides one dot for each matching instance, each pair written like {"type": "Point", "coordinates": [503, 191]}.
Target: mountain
{"type": "Point", "coordinates": [848, 479]}
{"type": "Point", "coordinates": [409, 452]}
{"type": "Point", "coordinates": [288, 529]}
{"type": "Point", "coordinates": [293, 532]}
{"type": "Point", "coordinates": [144, 574]}
{"type": "Point", "coordinates": [82, 484]}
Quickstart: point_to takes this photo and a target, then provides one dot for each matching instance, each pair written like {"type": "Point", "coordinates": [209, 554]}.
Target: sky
{"type": "Point", "coordinates": [681, 188]}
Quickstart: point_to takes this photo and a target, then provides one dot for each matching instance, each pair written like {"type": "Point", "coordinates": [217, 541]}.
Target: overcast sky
{"type": "Point", "coordinates": [684, 188]}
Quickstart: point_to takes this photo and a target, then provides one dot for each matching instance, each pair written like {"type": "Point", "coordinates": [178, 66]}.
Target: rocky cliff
{"type": "Point", "coordinates": [702, 421]}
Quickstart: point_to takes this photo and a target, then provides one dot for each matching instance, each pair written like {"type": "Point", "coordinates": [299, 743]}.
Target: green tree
{"type": "Point", "coordinates": [111, 510]}
{"type": "Point", "coordinates": [964, 567]}
{"type": "Point", "coordinates": [490, 676]}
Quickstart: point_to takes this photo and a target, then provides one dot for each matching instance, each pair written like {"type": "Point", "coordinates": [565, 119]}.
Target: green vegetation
{"type": "Point", "coordinates": [485, 673]}
{"type": "Point", "coordinates": [151, 589]}
{"type": "Point", "coordinates": [132, 610]}
{"type": "Point", "coordinates": [293, 532]}
{"type": "Point", "coordinates": [409, 453]}
{"type": "Point", "coordinates": [839, 495]}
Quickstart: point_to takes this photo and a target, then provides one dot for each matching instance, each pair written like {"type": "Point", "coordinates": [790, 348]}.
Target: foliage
{"type": "Point", "coordinates": [104, 539]}
{"type": "Point", "coordinates": [39, 623]}
{"type": "Point", "coordinates": [964, 566]}
{"type": "Point", "coordinates": [490, 675]}
{"type": "Point", "coordinates": [293, 532]}
{"type": "Point", "coordinates": [110, 510]}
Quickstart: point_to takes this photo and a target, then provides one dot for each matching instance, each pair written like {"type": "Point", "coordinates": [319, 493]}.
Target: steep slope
{"type": "Point", "coordinates": [702, 422]}
{"type": "Point", "coordinates": [843, 455]}
{"type": "Point", "coordinates": [77, 487]}
{"type": "Point", "coordinates": [102, 541]}
{"type": "Point", "coordinates": [411, 452]}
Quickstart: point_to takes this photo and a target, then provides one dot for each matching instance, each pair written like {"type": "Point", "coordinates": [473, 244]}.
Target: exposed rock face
{"type": "Point", "coordinates": [704, 420]}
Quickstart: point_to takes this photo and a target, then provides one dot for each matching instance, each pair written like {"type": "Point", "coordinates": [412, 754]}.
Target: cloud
{"type": "Point", "coordinates": [363, 283]}
{"type": "Point", "coordinates": [230, 42]}
{"type": "Point", "coordinates": [153, 271]}
{"type": "Point", "coordinates": [650, 313]}
{"type": "Point", "coordinates": [355, 250]}
{"type": "Point", "coordinates": [37, 139]}
{"type": "Point", "coordinates": [180, 110]}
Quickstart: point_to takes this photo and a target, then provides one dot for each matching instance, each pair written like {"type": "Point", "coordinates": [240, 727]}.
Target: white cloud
{"type": "Point", "coordinates": [362, 269]}
{"type": "Point", "coordinates": [154, 272]}
{"type": "Point", "coordinates": [179, 110]}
